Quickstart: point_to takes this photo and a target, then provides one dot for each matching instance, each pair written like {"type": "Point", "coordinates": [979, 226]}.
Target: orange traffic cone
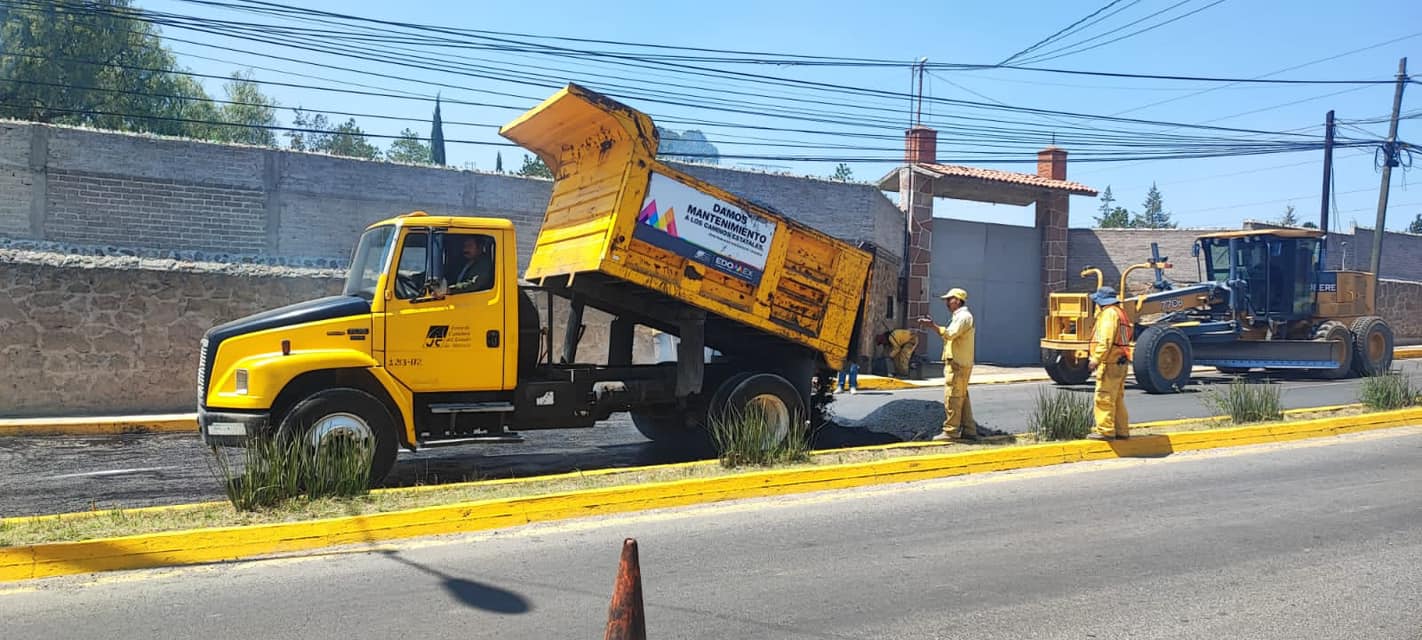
{"type": "Point", "coordinates": [625, 618]}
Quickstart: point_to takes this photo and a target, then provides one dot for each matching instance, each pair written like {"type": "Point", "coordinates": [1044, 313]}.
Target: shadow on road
{"type": "Point", "coordinates": [472, 594]}
{"type": "Point", "coordinates": [1143, 447]}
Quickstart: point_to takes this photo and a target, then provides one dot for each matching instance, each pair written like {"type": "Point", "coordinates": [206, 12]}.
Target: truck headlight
{"type": "Point", "coordinates": [241, 382]}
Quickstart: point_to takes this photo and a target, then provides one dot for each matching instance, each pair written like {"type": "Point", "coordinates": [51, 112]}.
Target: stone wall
{"type": "Point", "coordinates": [1400, 303]}
{"type": "Point", "coordinates": [90, 335]}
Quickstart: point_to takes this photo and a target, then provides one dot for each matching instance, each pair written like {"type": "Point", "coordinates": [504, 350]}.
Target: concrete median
{"type": "Point", "coordinates": [177, 548]}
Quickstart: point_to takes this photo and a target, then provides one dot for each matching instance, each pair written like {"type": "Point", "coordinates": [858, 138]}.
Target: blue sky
{"type": "Point", "coordinates": [1234, 38]}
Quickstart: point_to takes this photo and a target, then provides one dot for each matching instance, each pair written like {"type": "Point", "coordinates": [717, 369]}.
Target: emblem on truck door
{"type": "Point", "coordinates": [436, 335]}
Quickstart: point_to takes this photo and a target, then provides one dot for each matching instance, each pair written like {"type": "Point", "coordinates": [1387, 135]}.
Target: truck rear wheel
{"type": "Point", "coordinates": [325, 416]}
{"type": "Point", "coordinates": [1163, 359]}
{"type": "Point", "coordinates": [1064, 368]}
{"type": "Point", "coordinates": [762, 395]}
{"type": "Point", "coordinates": [1372, 346]}
{"type": "Point", "coordinates": [1342, 339]}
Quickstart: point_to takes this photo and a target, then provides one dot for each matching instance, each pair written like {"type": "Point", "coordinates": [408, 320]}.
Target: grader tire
{"type": "Point", "coordinates": [1064, 368]}
{"type": "Point", "coordinates": [1334, 331]}
{"type": "Point", "coordinates": [1372, 346]}
{"type": "Point", "coordinates": [1163, 360]}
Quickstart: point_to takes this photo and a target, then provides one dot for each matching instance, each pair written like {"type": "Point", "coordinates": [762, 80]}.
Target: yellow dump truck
{"type": "Point", "coordinates": [434, 340]}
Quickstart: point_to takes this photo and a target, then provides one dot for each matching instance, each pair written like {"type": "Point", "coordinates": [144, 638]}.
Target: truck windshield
{"type": "Point", "coordinates": [369, 262]}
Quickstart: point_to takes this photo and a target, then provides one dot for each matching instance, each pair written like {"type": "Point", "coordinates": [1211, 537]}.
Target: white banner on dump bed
{"type": "Point", "coordinates": [708, 230]}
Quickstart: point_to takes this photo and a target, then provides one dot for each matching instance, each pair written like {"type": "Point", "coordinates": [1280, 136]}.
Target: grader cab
{"type": "Point", "coordinates": [1263, 301]}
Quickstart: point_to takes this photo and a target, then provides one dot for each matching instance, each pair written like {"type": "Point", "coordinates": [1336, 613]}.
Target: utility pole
{"type": "Point", "coordinates": [918, 95]}
{"type": "Point", "coordinates": [1390, 159]}
{"type": "Point", "coordinates": [1327, 185]}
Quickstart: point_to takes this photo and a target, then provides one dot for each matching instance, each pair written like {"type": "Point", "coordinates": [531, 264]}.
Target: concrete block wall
{"type": "Point", "coordinates": [1112, 250]}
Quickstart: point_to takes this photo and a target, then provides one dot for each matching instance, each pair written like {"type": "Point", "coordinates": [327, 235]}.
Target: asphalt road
{"type": "Point", "coordinates": [63, 474]}
{"type": "Point", "coordinates": [1314, 539]}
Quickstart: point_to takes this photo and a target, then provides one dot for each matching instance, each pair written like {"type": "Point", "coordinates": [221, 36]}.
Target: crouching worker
{"type": "Point", "coordinates": [1110, 357]}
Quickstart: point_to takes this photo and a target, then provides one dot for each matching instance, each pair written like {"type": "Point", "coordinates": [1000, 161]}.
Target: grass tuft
{"type": "Point", "coordinates": [749, 438]}
{"type": "Point", "coordinates": [1060, 415]}
{"type": "Point", "coordinates": [1244, 402]}
{"type": "Point", "coordinates": [1387, 391]}
{"type": "Point", "coordinates": [274, 471]}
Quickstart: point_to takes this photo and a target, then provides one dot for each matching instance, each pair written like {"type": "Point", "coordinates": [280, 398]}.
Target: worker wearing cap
{"type": "Point", "coordinates": [958, 343]}
{"type": "Point", "coordinates": [1110, 356]}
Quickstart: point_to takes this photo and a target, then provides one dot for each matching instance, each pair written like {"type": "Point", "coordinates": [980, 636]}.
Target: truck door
{"type": "Point", "coordinates": [445, 311]}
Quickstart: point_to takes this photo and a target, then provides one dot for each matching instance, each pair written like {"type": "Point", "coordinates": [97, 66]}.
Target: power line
{"type": "Point", "coordinates": [1263, 77]}
{"type": "Point", "coordinates": [510, 45]}
{"type": "Point", "coordinates": [1063, 31]}
{"type": "Point", "coordinates": [1063, 52]}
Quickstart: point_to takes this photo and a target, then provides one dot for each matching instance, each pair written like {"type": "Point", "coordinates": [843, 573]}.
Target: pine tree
{"type": "Point", "coordinates": [1416, 226]}
{"type": "Point", "coordinates": [498, 162]}
{"type": "Point", "coordinates": [1112, 217]}
{"type": "Point", "coordinates": [1153, 214]}
{"type": "Point", "coordinates": [534, 167]}
{"type": "Point", "coordinates": [842, 173]}
{"type": "Point", "coordinates": [1289, 219]}
{"type": "Point", "coordinates": [437, 137]}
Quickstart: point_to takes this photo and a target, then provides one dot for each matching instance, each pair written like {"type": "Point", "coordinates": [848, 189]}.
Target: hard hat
{"type": "Point", "coordinates": [955, 292]}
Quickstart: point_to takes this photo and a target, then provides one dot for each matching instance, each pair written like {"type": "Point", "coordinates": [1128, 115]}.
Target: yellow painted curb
{"type": "Point", "coordinates": [1408, 353]}
{"type": "Point", "coordinates": [162, 423]}
{"type": "Point", "coordinates": [234, 543]}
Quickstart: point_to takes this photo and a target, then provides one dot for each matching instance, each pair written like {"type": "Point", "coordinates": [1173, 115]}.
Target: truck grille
{"type": "Point", "coordinates": [202, 372]}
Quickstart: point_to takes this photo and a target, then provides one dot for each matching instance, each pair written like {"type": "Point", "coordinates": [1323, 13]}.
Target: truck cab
{"type": "Point", "coordinates": [422, 322]}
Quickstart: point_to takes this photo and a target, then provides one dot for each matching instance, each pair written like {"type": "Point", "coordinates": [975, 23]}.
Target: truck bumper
{"type": "Point", "coordinates": [230, 428]}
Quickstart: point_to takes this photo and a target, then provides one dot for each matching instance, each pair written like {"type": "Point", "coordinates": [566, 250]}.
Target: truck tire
{"type": "Point", "coordinates": [345, 412]}
{"type": "Point", "coordinates": [1065, 368]}
{"type": "Point", "coordinates": [1372, 346]}
{"type": "Point", "coordinates": [1163, 359]}
{"type": "Point", "coordinates": [1334, 331]}
{"type": "Point", "coordinates": [781, 402]}
{"type": "Point", "coordinates": [667, 427]}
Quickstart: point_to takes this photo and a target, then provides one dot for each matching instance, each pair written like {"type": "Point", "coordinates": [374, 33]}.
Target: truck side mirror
{"type": "Point", "coordinates": [1194, 251]}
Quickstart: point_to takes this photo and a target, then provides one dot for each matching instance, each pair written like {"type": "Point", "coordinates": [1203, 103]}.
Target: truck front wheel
{"type": "Point", "coordinates": [324, 417]}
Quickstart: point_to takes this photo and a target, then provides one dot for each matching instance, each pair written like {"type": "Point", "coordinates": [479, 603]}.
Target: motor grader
{"type": "Point", "coordinates": [1263, 301]}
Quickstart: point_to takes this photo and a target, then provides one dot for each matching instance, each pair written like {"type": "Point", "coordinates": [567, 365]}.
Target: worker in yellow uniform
{"type": "Point", "coordinates": [1110, 356]}
{"type": "Point", "coordinates": [958, 344]}
{"type": "Point", "coordinates": [901, 344]}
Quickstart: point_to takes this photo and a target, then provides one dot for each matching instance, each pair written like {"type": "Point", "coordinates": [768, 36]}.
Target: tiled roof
{"type": "Point", "coordinates": [1011, 177]}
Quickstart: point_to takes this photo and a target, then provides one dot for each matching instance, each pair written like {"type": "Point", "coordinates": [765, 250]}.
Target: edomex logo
{"type": "Point", "coordinates": [436, 335]}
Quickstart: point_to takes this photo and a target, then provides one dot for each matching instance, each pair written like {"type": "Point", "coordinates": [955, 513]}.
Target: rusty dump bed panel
{"type": "Point", "coordinates": [618, 212]}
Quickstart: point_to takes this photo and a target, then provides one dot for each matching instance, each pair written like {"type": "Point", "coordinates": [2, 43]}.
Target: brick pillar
{"type": "Point", "coordinates": [916, 201]}
{"type": "Point", "coordinates": [1052, 214]}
